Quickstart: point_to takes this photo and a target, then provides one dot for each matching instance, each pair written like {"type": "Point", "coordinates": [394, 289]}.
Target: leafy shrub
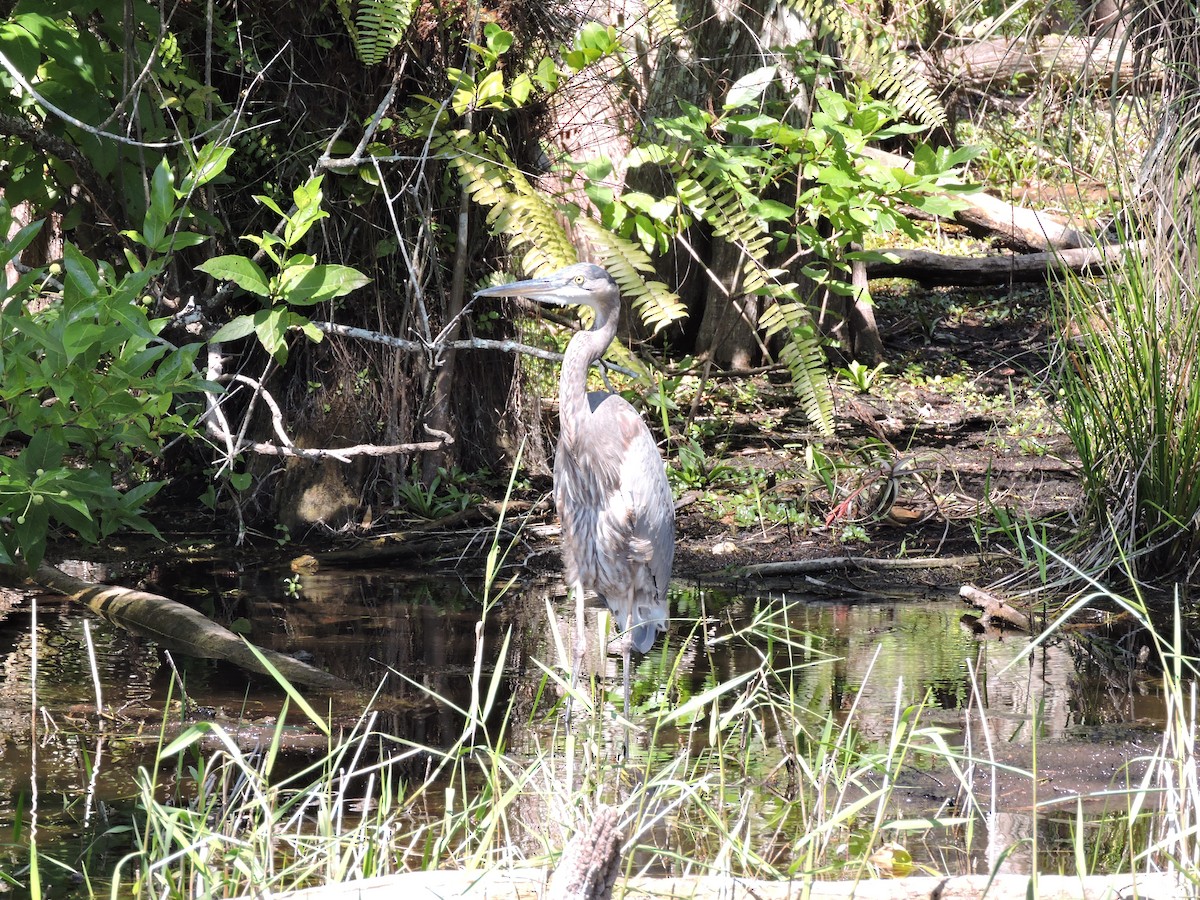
{"type": "Point", "coordinates": [87, 394]}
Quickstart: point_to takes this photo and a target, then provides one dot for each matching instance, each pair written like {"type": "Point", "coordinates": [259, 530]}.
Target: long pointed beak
{"type": "Point", "coordinates": [540, 289]}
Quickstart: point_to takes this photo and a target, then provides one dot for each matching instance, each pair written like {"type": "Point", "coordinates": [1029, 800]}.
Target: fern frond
{"type": "Point", "coordinates": [516, 208]}
{"type": "Point", "coordinates": [662, 19]}
{"type": "Point", "coordinates": [897, 78]}
{"type": "Point", "coordinates": [377, 27]}
{"type": "Point", "coordinates": [656, 304]}
{"type": "Point", "coordinates": [804, 359]}
{"type": "Point", "coordinates": [884, 70]}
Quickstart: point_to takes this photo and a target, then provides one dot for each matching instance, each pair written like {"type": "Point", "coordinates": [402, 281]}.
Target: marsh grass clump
{"type": "Point", "coordinates": [732, 775]}
{"type": "Point", "coordinates": [1129, 386]}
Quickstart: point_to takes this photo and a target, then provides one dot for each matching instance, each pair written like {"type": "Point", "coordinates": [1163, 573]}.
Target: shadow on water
{"type": "Point", "coordinates": [866, 659]}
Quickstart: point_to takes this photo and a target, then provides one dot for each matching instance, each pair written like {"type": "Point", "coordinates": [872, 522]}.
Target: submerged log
{"type": "Point", "coordinates": [181, 628]}
{"type": "Point", "coordinates": [995, 609]}
{"type": "Point", "coordinates": [530, 884]}
{"type": "Point", "coordinates": [865, 563]}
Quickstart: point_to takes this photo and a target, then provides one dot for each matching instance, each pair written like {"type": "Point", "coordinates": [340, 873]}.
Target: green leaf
{"type": "Point", "coordinates": [271, 327]}
{"type": "Point", "coordinates": [772, 210]}
{"type": "Point", "coordinates": [271, 205]}
{"type": "Point", "coordinates": [22, 239]}
{"type": "Point", "coordinates": [210, 163]}
{"type": "Point", "coordinates": [241, 270]}
{"type": "Point", "coordinates": [162, 192]}
{"type": "Point", "coordinates": [750, 87]}
{"type": "Point", "coordinates": [184, 239]}
{"type": "Point", "coordinates": [498, 40]}
{"type": "Point", "coordinates": [520, 89]}
{"type": "Point", "coordinates": [233, 330]}
{"type": "Point", "coordinates": [306, 285]}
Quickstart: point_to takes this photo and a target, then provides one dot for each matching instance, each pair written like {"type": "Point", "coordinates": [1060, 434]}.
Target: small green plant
{"type": "Point", "coordinates": [298, 280]}
{"type": "Point", "coordinates": [445, 495]}
{"type": "Point", "coordinates": [692, 468]}
{"type": "Point", "coordinates": [853, 533]}
{"type": "Point", "coordinates": [862, 377]}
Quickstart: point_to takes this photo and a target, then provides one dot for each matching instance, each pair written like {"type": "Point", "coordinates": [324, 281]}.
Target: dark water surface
{"type": "Point", "coordinates": [869, 659]}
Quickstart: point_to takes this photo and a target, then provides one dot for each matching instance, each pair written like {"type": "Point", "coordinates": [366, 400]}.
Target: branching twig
{"type": "Point", "coordinates": [505, 346]}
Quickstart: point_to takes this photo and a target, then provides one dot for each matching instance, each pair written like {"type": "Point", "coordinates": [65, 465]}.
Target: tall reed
{"type": "Point", "coordinates": [1128, 374]}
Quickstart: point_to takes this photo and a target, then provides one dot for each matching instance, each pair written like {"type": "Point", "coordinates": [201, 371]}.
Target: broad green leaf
{"type": "Point", "coordinates": [233, 330]}
{"type": "Point", "coordinates": [498, 40]}
{"type": "Point", "coordinates": [162, 192]}
{"type": "Point", "coordinates": [22, 239]}
{"type": "Point", "coordinates": [184, 239]}
{"type": "Point", "coordinates": [241, 270]}
{"type": "Point", "coordinates": [210, 163]}
{"type": "Point", "coordinates": [271, 327]}
{"type": "Point", "coordinates": [772, 210]}
{"type": "Point", "coordinates": [750, 87]}
{"type": "Point", "coordinates": [520, 89]}
{"type": "Point", "coordinates": [306, 285]}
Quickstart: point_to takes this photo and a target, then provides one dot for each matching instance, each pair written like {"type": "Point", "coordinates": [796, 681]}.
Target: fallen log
{"type": "Point", "coordinates": [932, 268]}
{"type": "Point", "coordinates": [1015, 227]}
{"type": "Point", "coordinates": [181, 628]}
{"type": "Point", "coordinates": [865, 563]}
{"type": "Point", "coordinates": [530, 884]}
{"type": "Point", "coordinates": [1003, 61]}
{"type": "Point", "coordinates": [995, 609]}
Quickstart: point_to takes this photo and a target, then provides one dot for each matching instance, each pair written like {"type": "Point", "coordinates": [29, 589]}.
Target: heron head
{"type": "Point", "coordinates": [582, 284]}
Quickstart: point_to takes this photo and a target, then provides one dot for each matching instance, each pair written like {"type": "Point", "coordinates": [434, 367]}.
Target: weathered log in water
{"type": "Point", "coordinates": [864, 563]}
{"type": "Point", "coordinates": [530, 884]}
{"type": "Point", "coordinates": [179, 627]}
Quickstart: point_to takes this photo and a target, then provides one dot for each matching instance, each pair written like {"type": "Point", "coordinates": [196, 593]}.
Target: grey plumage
{"type": "Point", "coordinates": [610, 486]}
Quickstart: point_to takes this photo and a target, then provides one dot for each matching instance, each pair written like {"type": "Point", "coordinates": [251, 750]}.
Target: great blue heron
{"type": "Point", "coordinates": [610, 486]}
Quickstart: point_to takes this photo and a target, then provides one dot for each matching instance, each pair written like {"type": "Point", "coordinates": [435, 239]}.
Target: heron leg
{"type": "Point", "coordinates": [578, 648]}
{"type": "Point", "coordinates": [626, 684]}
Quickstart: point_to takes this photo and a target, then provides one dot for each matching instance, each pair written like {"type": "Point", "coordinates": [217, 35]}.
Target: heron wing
{"type": "Point", "coordinates": [618, 515]}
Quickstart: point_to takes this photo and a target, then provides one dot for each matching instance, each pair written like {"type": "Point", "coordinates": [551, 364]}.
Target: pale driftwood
{"type": "Point", "coordinates": [995, 610]}
{"type": "Point", "coordinates": [529, 884]}
{"type": "Point", "coordinates": [997, 62]}
{"type": "Point", "coordinates": [833, 563]}
{"type": "Point", "coordinates": [1015, 227]}
{"type": "Point", "coordinates": [928, 267]}
{"type": "Point", "coordinates": [591, 863]}
{"type": "Point", "coordinates": [179, 627]}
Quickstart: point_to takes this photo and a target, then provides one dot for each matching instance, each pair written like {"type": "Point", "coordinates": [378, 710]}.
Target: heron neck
{"type": "Point", "coordinates": [584, 349]}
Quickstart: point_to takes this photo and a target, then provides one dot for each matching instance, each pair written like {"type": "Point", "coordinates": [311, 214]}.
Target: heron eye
{"type": "Point", "coordinates": [579, 279]}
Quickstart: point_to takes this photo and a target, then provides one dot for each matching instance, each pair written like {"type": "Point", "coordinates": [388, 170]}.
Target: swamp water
{"type": "Point", "coordinates": [857, 673]}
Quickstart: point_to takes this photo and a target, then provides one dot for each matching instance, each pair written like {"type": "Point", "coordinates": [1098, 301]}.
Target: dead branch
{"type": "Point", "coordinates": [1001, 61]}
